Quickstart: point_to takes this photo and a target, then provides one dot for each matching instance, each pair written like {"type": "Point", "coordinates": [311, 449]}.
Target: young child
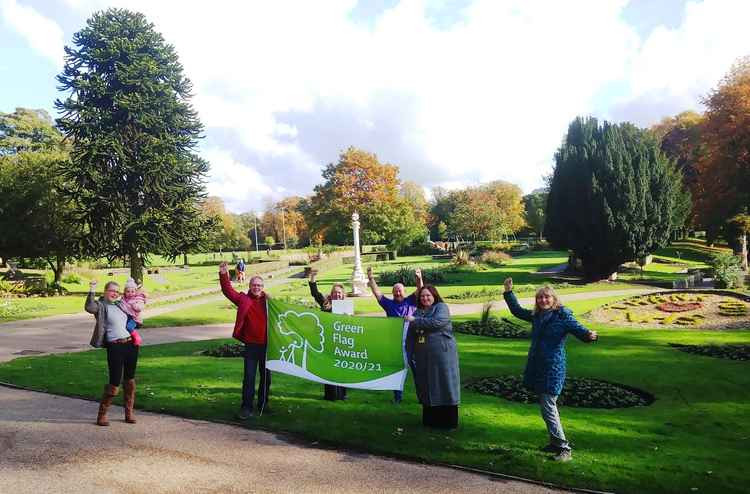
{"type": "Point", "coordinates": [133, 301]}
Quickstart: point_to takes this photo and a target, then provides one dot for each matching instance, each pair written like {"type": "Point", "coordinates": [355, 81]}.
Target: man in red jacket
{"type": "Point", "coordinates": [250, 329]}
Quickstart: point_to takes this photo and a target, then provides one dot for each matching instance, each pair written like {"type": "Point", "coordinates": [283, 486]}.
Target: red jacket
{"type": "Point", "coordinates": [250, 325]}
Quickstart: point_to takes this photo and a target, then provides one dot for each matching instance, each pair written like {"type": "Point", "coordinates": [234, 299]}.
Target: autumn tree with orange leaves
{"type": "Point", "coordinates": [724, 165]}
{"type": "Point", "coordinates": [359, 182]}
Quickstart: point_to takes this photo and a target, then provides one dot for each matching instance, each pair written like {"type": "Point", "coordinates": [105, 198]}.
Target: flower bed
{"type": "Point", "coordinates": [705, 310]}
{"type": "Point", "coordinates": [494, 327]}
{"type": "Point", "coordinates": [729, 351]}
{"type": "Point", "coordinates": [675, 307]}
{"type": "Point", "coordinates": [226, 350]}
{"type": "Point", "coordinates": [578, 392]}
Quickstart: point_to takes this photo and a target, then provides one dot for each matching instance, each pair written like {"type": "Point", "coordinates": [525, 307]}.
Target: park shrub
{"type": "Point", "coordinates": [494, 258]}
{"type": "Point", "coordinates": [578, 392]}
{"type": "Point", "coordinates": [727, 270]}
{"type": "Point", "coordinates": [462, 258]}
{"type": "Point", "coordinates": [729, 351]}
{"type": "Point", "coordinates": [481, 247]}
{"type": "Point", "coordinates": [484, 292]}
{"type": "Point", "coordinates": [226, 350]}
{"type": "Point", "coordinates": [406, 275]}
{"type": "Point", "coordinates": [540, 245]}
{"type": "Point", "coordinates": [419, 248]}
{"type": "Point", "coordinates": [492, 327]}
{"type": "Point", "coordinates": [487, 292]}
{"type": "Point", "coordinates": [71, 278]}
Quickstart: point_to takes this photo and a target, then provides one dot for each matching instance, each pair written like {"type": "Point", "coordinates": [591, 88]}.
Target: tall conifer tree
{"type": "Point", "coordinates": [136, 178]}
{"type": "Point", "coordinates": [612, 196]}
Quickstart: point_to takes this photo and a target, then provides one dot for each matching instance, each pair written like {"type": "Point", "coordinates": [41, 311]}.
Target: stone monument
{"type": "Point", "coordinates": [359, 281]}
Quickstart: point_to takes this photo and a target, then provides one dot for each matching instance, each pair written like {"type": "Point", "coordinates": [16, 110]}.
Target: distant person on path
{"type": "Point", "coordinates": [241, 270]}
{"type": "Point", "coordinates": [399, 306]}
{"type": "Point", "coordinates": [330, 392]}
{"type": "Point", "coordinates": [250, 329]}
{"type": "Point", "coordinates": [545, 366]}
{"type": "Point", "coordinates": [111, 331]}
{"type": "Point", "coordinates": [436, 360]}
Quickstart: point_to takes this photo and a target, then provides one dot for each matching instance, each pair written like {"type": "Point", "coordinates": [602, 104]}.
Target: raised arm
{"type": "Point", "coordinates": [373, 285]}
{"type": "Point", "coordinates": [440, 320]}
{"type": "Point", "coordinates": [140, 301]}
{"type": "Point", "coordinates": [575, 328]}
{"type": "Point", "coordinates": [319, 297]}
{"type": "Point", "coordinates": [226, 284]}
{"type": "Point", "coordinates": [513, 305]}
{"type": "Point", "coordinates": [92, 305]}
{"type": "Point", "coordinates": [418, 280]}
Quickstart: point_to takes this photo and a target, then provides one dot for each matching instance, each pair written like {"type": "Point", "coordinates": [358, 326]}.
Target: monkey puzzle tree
{"type": "Point", "coordinates": [134, 176]}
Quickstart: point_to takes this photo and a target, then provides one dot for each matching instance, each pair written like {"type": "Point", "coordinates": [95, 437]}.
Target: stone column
{"type": "Point", "coordinates": [359, 281]}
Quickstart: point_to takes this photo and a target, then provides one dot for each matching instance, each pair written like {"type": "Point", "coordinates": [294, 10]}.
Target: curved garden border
{"type": "Point", "coordinates": [729, 351]}
{"type": "Point", "coordinates": [578, 392]}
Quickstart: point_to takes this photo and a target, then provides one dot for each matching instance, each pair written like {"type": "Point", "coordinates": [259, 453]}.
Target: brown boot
{"type": "Point", "coordinates": [109, 393]}
{"type": "Point", "coordinates": [129, 401]}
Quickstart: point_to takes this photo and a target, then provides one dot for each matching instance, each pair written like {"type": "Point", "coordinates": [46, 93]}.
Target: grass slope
{"type": "Point", "coordinates": [693, 437]}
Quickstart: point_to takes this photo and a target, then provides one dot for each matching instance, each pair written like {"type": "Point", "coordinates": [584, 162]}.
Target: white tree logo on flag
{"type": "Point", "coordinates": [307, 333]}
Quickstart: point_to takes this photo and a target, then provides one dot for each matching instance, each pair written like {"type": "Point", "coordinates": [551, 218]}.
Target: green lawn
{"type": "Point", "coordinates": [467, 286]}
{"type": "Point", "coordinates": [693, 436]}
{"type": "Point", "coordinates": [155, 285]}
{"type": "Point", "coordinates": [472, 285]}
{"type": "Point", "coordinates": [690, 251]}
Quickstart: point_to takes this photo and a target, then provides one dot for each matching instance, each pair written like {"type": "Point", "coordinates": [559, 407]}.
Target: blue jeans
{"type": "Point", "coordinates": [255, 360]}
{"type": "Point", "coordinates": [552, 419]}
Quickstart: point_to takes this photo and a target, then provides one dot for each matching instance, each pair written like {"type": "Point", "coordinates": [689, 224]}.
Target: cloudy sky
{"type": "Point", "coordinates": [454, 92]}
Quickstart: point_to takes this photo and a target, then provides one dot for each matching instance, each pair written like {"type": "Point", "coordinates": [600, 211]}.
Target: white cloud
{"type": "Point", "coordinates": [238, 184]}
{"type": "Point", "coordinates": [44, 35]}
{"type": "Point", "coordinates": [674, 68]}
{"type": "Point", "coordinates": [489, 97]}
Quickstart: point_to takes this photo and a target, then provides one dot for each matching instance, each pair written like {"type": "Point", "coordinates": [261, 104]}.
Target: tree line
{"type": "Point", "coordinates": [118, 175]}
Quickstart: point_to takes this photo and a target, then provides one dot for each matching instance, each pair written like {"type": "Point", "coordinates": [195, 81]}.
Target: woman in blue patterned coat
{"type": "Point", "coordinates": [545, 367]}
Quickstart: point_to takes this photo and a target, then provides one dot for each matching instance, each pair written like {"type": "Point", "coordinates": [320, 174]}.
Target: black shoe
{"type": "Point", "coordinates": [550, 448]}
{"type": "Point", "coordinates": [244, 414]}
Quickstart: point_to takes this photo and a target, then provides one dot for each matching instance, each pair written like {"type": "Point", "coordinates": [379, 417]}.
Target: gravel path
{"type": "Point", "coordinates": [50, 444]}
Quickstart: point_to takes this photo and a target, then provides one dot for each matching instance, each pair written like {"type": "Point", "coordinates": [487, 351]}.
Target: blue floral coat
{"type": "Point", "coordinates": [545, 367]}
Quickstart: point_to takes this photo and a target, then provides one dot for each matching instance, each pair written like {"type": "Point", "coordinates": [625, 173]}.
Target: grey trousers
{"type": "Point", "coordinates": [552, 419]}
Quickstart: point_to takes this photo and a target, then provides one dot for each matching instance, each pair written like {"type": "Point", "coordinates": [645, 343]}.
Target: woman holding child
{"type": "Point", "coordinates": [116, 320]}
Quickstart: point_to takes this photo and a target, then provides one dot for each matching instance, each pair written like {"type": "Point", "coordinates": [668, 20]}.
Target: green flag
{"type": "Point", "coordinates": [356, 352]}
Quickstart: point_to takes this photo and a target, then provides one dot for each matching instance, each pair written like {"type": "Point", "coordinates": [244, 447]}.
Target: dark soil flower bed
{"type": "Point", "coordinates": [729, 351]}
{"type": "Point", "coordinates": [494, 327]}
{"type": "Point", "coordinates": [578, 392]}
{"type": "Point", "coordinates": [676, 307]}
{"type": "Point", "coordinates": [227, 350]}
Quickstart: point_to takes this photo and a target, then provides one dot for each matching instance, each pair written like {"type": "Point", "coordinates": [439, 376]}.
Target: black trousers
{"type": "Point", "coordinates": [440, 417]}
{"type": "Point", "coordinates": [333, 393]}
{"type": "Point", "coordinates": [255, 362]}
{"type": "Point", "coordinates": [122, 359]}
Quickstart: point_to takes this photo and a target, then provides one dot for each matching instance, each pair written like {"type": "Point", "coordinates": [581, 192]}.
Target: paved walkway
{"type": "Point", "coordinates": [50, 444]}
{"type": "Point", "coordinates": [71, 332]}
{"type": "Point", "coordinates": [463, 309]}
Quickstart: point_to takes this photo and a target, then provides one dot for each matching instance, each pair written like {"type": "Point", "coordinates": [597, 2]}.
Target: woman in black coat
{"type": "Point", "coordinates": [330, 392]}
